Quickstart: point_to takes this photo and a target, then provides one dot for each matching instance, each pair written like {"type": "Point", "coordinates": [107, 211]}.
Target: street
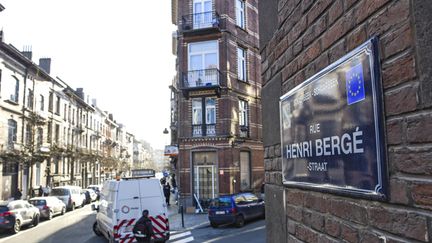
{"type": "Point", "coordinates": [72, 227]}
{"type": "Point", "coordinates": [252, 232]}
{"type": "Point", "coordinates": [76, 226]}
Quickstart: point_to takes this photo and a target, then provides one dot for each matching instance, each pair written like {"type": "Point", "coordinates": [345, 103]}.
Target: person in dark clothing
{"type": "Point", "coordinates": [167, 192]}
{"type": "Point", "coordinates": [143, 228]}
{"type": "Point", "coordinates": [18, 194]}
{"type": "Point", "coordinates": [40, 191]}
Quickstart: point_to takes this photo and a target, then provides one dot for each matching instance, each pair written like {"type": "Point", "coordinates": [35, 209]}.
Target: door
{"type": "Point", "coordinates": [205, 183]}
{"type": "Point", "coordinates": [202, 14]}
{"type": "Point", "coordinates": [203, 63]}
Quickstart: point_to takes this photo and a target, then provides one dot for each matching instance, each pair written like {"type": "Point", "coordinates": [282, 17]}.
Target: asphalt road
{"type": "Point", "coordinates": [252, 232]}
{"type": "Point", "coordinates": [73, 227]}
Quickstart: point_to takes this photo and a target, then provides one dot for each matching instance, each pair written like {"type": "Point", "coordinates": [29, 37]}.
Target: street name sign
{"type": "Point", "coordinates": [332, 128]}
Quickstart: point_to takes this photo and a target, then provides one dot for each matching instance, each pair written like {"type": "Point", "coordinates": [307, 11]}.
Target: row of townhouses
{"type": "Point", "coordinates": [51, 134]}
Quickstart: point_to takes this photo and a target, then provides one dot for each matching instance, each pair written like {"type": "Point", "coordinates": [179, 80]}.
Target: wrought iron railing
{"type": "Point", "coordinates": [204, 130]}
{"type": "Point", "coordinates": [201, 78]}
{"type": "Point", "coordinates": [202, 20]}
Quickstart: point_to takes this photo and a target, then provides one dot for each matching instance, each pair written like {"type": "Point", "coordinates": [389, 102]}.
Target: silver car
{"type": "Point", "coordinates": [48, 206]}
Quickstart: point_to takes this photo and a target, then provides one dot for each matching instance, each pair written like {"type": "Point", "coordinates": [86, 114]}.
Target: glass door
{"type": "Point", "coordinates": [202, 14]}
{"type": "Point", "coordinates": [205, 182]}
{"type": "Point", "coordinates": [203, 63]}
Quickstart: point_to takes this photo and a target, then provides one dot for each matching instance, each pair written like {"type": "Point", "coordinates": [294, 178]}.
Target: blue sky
{"type": "Point", "coordinates": [118, 51]}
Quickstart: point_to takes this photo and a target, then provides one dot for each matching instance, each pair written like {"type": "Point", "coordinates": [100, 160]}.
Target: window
{"type": "Point", "coordinates": [57, 133]}
{"type": "Point", "coordinates": [241, 64]}
{"type": "Point", "coordinates": [56, 165]}
{"type": "Point", "coordinates": [12, 132]}
{"type": "Point", "coordinates": [243, 113]}
{"type": "Point", "coordinates": [50, 101]}
{"type": "Point", "coordinates": [11, 89]}
{"type": "Point", "coordinates": [57, 105]}
{"type": "Point", "coordinates": [245, 177]}
{"type": "Point", "coordinates": [203, 64]}
{"type": "Point", "coordinates": [208, 127]}
{"type": "Point", "coordinates": [202, 17]}
{"type": "Point", "coordinates": [39, 136]}
{"type": "Point", "coordinates": [65, 112]}
{"type": "Point", "coordinates": [240, 13]}
{"type": "Point", "coordinates": [38, 173]}
{"type": "Point", "coordinates": [49, 132]}
{"type": "Point", "coordinates": [28, 134]}
{"type": "Point", "coordinates": [41, 102]}
{"type": "Point", "coordinates": [30, 99]}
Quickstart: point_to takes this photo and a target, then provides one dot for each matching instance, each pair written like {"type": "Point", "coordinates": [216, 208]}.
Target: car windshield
{"type": "Point", "coordinates": [59, 192]}
{"type": "Point", "coordinates": [221, 202]}
{"type": "Point", "coordinates": [38, 202]}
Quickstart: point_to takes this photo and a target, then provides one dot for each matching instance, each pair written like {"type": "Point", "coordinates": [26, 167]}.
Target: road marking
{"type": "Point", "coordinates": [236, 233]}
{"type": "Point", "coordinates": [176, 236]}
{"type": "Point", "coordinates": [186, 240]}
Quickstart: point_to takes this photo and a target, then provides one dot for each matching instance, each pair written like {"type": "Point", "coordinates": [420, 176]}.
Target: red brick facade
{"type": "Point", "coordinates": [227, 143]}
{"type": "Point", "coordinates": [312, 34]}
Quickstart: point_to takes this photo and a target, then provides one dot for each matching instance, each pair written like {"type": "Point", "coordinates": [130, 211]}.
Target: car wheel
{"type": "Point", "coordinates": [214, 225]}
{"type": "Point", "coordinates": [73, 207]}
{"type": "Point", "coordinates": [50, 215]}
{"type": "Point", "coordinates": [36, 220]}
{"type": "Point", "coordinates": [239, 222]}
{"type": "Point", "coordinates": [63, 211]}
{"type": "Point", "coordinates": [96, 229]}
{"type": "Point", "coordinates": [17, 226]}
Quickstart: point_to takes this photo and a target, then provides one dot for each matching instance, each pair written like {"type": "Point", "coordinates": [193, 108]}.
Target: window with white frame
{"type": "Point", "coordinates": [12, 132]}
{"type": "Point", "coordinates": [240, 13]}
{"type": "Point", "coordinates": [197, 111]}
{"type": "Point", "coordinates": [210, 110]}
{"type": "Point", "coordinates": [202, 13]}
{"type": "Point", "coordinates": [203, 63]}
{"type": "Point", "coordinates": [204, 116]}
{"type": "Point", "coordinates": [241, 64]}
{"type": "Point", "coordinates": [41, 102]}
{"type": "Point", "coordinates": [243, 113]}
{"type": "Point", "coordinates": [10, 89]}
{"type": "Point", "coordinates": [30, 99]}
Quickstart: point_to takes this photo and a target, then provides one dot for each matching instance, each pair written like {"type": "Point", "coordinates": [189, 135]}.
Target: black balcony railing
{"type": "Point", "coordinates": [201, 78]}
{"type": "Point", "coordinates": [203, 130]}
{"type": "Point", "coordinates": [202, 20]}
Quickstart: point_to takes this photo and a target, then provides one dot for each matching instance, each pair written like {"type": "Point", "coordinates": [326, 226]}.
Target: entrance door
{"type": "Point", "coordinates": [202, 14]}
{"type": "Point", "coordinates": [205, 182]}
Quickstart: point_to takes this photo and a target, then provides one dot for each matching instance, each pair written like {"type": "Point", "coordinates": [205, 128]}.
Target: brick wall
{"type": "Point", "coordinates": [312, 34]}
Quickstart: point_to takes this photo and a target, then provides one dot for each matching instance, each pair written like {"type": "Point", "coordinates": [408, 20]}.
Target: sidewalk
{"type": "Point", "coordinates": [191, 220]}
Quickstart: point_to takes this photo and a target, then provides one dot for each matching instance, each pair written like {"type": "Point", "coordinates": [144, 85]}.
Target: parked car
{"type": "Point", "coordinates": [90, 195]}
{"type": "Point", "coordinates": [235, 209]}
{"type": "Point", "coordinates": [70, 195]}
{"type": "Point", "coordinates": [14, 214]}
{"type": "Point", "coordinates": [97, 189]}
{"type": "Point", "coordinates": [48, 206]}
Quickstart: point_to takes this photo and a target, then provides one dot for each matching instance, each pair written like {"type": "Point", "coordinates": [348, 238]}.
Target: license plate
{"type": "Point", "coordinates": [220, 212]}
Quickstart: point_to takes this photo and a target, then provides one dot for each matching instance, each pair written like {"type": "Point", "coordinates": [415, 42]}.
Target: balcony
{"type": "Point", "coordinates": [200, 23]}
{"type": "Point", "coordinates": [204, 130]}
{"type": "Point", "coordinates": [194, 82]}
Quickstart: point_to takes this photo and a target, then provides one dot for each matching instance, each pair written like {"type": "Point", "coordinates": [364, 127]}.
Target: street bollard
{"type": "Point", "coordinates": [182, 216]}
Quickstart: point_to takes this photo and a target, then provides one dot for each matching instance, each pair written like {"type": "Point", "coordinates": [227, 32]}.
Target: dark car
{"type": "Point", "coordinates": [14, 214]}
{"type": "Point", "coordinates": [235, 209]}
{"type": "Point", "coordinates": [48, 206]}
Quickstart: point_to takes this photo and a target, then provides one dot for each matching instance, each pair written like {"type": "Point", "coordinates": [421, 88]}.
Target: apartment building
{"type": "Point", "coordinates": [216, 101]}
{"type": "Point", "coordinates": [51, 134]}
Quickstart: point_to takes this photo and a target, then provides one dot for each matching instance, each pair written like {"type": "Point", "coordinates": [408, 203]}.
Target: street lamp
{"type": "Point", "coordinates": [165, 131]}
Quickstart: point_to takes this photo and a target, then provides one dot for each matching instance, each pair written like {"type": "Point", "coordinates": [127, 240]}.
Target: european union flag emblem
{"type": "Point", "coordinates": [355, 84]}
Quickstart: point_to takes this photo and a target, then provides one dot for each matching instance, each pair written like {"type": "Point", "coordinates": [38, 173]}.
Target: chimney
{"type": "Point", "coordinates": [80, 93]}
{"type": "Point", "coordinates": [94, 103]}
{"type": "Point", "coordinates": [111, 117]}
{"type": "Point", "coordinates": [45, 64]}
{"type": "Point", "coordinates": [27, 52]}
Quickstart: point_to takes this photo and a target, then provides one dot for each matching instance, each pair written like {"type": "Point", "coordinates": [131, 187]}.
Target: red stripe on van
{"type": "Point", "coordinates": [161, 225]}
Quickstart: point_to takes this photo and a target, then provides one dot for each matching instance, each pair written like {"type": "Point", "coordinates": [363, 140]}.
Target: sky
{"type": "Point", "coordinates": [118, 51]}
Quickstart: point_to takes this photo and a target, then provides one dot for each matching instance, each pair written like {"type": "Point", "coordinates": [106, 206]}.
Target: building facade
{"type": "Point", "coordinates": [50, 134]}
{"type": "Point", "coordinates": [301, 38]}
{"type": "Point", "coordinates": [216, 101]}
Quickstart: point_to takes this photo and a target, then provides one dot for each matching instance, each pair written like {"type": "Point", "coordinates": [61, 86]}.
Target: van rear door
{"type": "Point", "coordinates": [128, 209]}
{"type": "Point", "coordinates": [153, 200]}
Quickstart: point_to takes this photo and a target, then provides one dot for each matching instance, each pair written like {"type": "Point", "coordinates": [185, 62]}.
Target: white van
{"type": "Point", "coordinates": [70, 195]}
{"type": "Point", "coordinates": [121, 205]}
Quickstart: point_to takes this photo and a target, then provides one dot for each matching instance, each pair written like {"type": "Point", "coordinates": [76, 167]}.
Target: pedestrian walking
{"type": "Point", "coordinates": [143, 229]}
{"type": "Point", "coordinates": [41, 191]}
{"type": "Point", "coordinates": [18, 194]}
{"type": "Point", "coordinates": [167, 192]}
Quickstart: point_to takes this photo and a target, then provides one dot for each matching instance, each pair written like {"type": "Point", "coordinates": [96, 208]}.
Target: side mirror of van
{"type": "Point", "coordinates": [95, 208]}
